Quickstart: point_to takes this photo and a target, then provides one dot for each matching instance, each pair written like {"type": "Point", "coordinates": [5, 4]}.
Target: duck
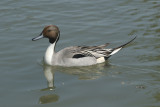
{"type": "Point", "coordinates": [74, 55]}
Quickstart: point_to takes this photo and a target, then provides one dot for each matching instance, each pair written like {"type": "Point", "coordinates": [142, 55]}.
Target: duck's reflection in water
{"type": "Point", "coordinates": [49, 74]}
{"type": "Point", "coordinates": [48, 99]}
{"type": "Point", "coordinates": [83, 73]}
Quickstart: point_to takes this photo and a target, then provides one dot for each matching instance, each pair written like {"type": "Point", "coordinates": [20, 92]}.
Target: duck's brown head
{"type": "Point", "coordinates": [51, 32]}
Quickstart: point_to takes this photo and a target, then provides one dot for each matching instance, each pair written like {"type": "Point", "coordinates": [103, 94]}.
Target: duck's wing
{"type": "Point", "coordinates": [85, 51]}
{"type": "Point", "coordinates": [92, 51]}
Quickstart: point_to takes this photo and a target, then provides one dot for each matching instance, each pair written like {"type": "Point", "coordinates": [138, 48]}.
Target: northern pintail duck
{"type": "Point", "coordinates": [74, 55]}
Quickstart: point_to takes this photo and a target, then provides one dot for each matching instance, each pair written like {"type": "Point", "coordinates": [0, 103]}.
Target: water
{"type": "Point", "coordinates": [130, 78]}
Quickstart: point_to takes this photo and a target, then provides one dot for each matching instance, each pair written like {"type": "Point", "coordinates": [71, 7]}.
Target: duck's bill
{"type": "Point", "coordinates": [38, 37]}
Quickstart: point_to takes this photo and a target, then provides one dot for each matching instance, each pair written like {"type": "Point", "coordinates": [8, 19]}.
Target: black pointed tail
{"type": "Point", "coordinates": [115, 50]}
{"type": "Point", "coordinates": [125, 44]}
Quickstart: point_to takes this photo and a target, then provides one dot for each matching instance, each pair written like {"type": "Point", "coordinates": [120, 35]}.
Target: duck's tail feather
{"type": "Point", "coordinates": [115, 50]}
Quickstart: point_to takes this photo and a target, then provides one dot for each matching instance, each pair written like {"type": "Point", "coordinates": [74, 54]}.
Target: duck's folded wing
{"type": "Point", "coordinates": [86, 51]}
{"type": "Point", "coordinates": [91, 51]}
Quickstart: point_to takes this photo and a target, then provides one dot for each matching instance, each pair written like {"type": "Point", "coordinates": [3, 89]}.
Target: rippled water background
{"type": "Point", "coordinates": [130, 78]}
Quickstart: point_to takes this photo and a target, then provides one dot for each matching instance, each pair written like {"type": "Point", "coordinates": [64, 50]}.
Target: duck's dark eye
{"type": "Point", "coordinates": [49, 30]}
